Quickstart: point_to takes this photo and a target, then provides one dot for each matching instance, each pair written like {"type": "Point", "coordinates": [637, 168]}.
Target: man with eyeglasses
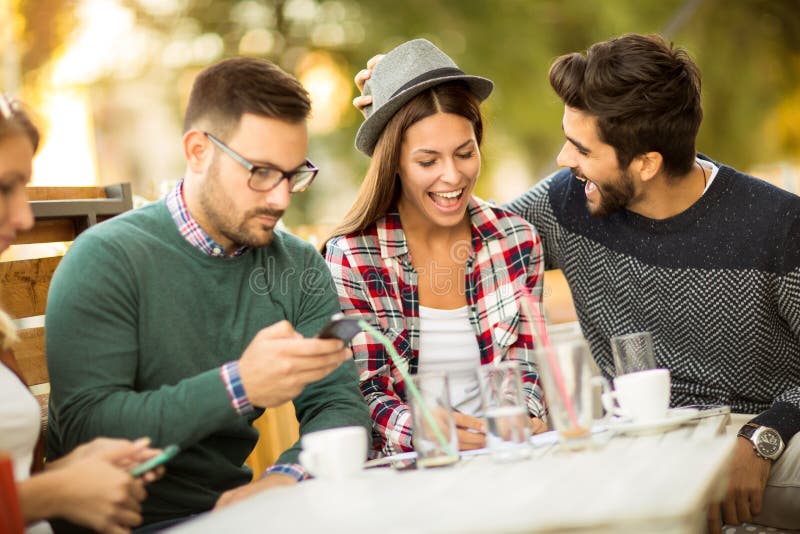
{"type": "Point", "coordinates": [182, 320]}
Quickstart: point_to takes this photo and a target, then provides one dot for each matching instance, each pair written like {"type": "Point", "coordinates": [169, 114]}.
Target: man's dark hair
{"type": "Point", "coordinates": [224, 92]}
{"type": "Point", "coordinates": [644, 92]}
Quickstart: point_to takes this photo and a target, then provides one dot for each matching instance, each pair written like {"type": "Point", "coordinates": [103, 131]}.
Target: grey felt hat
{"type": "Point", "coordinates": [401, 75]}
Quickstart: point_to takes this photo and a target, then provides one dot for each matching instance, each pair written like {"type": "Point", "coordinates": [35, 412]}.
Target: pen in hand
{"type": "Point", "coordinates": [464, 422]}
{"type": "Point", "coordinates": [471, 431]}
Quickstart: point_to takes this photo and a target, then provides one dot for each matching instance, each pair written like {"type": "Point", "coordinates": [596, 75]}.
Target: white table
{"type": "Point", "coordinates": [653, 483]}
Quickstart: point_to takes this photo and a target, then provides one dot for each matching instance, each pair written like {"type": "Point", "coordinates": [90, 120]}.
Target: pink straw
{"type": "Point", "coordinates": [537, 320]}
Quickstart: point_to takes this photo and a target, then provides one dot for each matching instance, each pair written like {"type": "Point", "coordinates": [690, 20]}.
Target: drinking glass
{"type": "Point", "coordinates": [434, 430]}
{"type": "Point", "coordinates": [633, 353]}
{"type": "Point", "coordinates": [508, 429]}
{"type": "Point", "coordinates": [565, 371]}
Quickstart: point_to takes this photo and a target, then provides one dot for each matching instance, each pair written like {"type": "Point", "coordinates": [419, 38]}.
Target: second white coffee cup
{"type": "Point", "coordinates": [643, 396]}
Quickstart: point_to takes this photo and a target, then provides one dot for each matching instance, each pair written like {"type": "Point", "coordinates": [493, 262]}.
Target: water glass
{"type": "Point", "coordinates": [633, 353]}
{"type": "Point", "coordinates": [508, 429]}
{"type": "Point", "coordinates": [565, 372]}
{"type": "Point", "coordinates": [434, 430]}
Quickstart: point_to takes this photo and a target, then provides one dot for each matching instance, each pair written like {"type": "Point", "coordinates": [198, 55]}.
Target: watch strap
{"type": "Point", "coordinates": [748, 430]}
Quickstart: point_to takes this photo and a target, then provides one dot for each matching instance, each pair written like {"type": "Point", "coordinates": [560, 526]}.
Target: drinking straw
{"type": "Point", "coordinates": [401, 366]}
{"type": "Point", "coordinates": [538, 322]}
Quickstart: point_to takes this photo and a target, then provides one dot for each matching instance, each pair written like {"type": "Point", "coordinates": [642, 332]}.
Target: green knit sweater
{"type": "Point", "coordinates": [138, 324]}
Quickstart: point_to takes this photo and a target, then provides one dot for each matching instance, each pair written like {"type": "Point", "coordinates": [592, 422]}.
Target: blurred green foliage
{"type": "Point", "coordinates": [747, 50]}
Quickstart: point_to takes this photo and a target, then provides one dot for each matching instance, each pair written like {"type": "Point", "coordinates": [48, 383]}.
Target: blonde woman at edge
{"type": "Point", "coordinates": [436, 269]}
{"type": "Point", "coordinates": [90, 487]}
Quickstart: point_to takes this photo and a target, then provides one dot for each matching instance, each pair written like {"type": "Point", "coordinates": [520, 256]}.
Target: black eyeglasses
{"type": "Point", "coordinates": [265, 178]}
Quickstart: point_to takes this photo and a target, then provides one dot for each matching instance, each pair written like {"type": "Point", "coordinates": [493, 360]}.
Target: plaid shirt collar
{"type": "Point", "coordinates": [392, 239]}
{"type": "Point", "coordinates": [188, 227]}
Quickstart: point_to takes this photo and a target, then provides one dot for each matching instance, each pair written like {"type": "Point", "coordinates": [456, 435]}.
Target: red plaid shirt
{"type": "Point", "coordinates": [374, 277]}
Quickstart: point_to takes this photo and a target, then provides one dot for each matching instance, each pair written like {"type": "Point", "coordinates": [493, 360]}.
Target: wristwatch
{"type": "Point", "coordinates": [766, 441]}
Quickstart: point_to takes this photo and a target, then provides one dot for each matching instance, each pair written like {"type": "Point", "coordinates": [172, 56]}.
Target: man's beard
{"type": "Point", "coordinates": [614, 196]}
{"type": "Point", "coordinates": [220, 214]}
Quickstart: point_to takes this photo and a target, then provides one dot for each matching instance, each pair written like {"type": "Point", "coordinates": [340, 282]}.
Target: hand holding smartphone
{"type": "Point", "coordinates": [341, 327]}
{"type": "Point", "coordinates": [148, 465]}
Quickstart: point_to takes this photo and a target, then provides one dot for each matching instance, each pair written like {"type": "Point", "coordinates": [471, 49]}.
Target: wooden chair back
{"type": "Point", "coordinates": [61, 213]}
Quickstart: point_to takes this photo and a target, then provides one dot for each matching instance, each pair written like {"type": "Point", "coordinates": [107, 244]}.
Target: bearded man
{"type": "Point", "coordinates": [184, 319]}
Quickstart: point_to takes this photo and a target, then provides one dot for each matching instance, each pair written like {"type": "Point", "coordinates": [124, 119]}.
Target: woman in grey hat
{"type": "Point", "coordinates": [436, 269]}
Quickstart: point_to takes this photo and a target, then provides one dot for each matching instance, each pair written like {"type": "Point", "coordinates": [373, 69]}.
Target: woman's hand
{"type": "Point", "coordinates": [121, 453]}
{"type": "Point", "coordinates": [87, 491]}
{"type": "Point", "coordinates": [538, 426]}
{"type": "Point", "coordinates": [471, 431]}
{"type": "Point", "coordinates": [101, 496]}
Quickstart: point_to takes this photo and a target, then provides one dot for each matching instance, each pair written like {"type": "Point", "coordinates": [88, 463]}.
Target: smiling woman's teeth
{"type": "Point", "coordinates": [446, 200]}
{"type": "Point", "coordinates": [451, 194]}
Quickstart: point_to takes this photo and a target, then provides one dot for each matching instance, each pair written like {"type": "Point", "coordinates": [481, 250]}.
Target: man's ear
{"type": "Point", "coordinates": [648, 165]}
{"type": "Point", "coordinates": [197, 150]}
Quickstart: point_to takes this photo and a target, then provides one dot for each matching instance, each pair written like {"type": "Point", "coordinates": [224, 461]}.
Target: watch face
{"type": "Point", "coordinates": [769, 443]}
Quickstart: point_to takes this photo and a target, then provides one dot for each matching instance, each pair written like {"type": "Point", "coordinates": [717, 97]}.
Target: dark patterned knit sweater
{"type": "Point", "coordinates": [717, 285]}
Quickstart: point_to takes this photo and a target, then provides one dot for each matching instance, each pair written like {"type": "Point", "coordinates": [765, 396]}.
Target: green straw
{"type": "Point", "coordinates": [401, 366]}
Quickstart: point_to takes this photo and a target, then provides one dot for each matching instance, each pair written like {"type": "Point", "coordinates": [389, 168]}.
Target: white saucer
{"type": "Point", "coordinates": [675, 418]}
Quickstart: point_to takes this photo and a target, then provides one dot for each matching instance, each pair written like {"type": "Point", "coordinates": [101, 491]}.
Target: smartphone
{"type": "Point", "coordinates": [342, 327]}
{"type": "Point", "coordinates": [148, 465]}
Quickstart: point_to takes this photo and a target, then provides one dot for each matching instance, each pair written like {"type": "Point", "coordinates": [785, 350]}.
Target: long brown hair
{"type": "Point", "coordinates": [380, 189]}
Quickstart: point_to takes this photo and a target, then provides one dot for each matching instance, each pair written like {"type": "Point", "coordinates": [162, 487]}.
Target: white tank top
{"type": "Point", "coordinates": [19, 422]}
{"type": "Point", "coordinates": [19, 431]}
{"type": "Point", "coordinates": [447, 343]}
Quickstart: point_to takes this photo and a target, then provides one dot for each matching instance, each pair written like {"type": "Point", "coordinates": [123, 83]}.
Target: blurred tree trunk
{"type": "Point", "coordinates": [43, 27]}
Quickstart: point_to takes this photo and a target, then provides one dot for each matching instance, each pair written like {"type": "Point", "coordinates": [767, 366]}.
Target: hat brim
{"type": "Point", "coordinates": [371, 129]}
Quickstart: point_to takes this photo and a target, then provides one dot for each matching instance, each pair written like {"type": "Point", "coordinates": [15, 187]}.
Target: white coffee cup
{"type": "Point", "coordinates": [335, 453]}
{"type": "Point", "coordinates": [643, 396]}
